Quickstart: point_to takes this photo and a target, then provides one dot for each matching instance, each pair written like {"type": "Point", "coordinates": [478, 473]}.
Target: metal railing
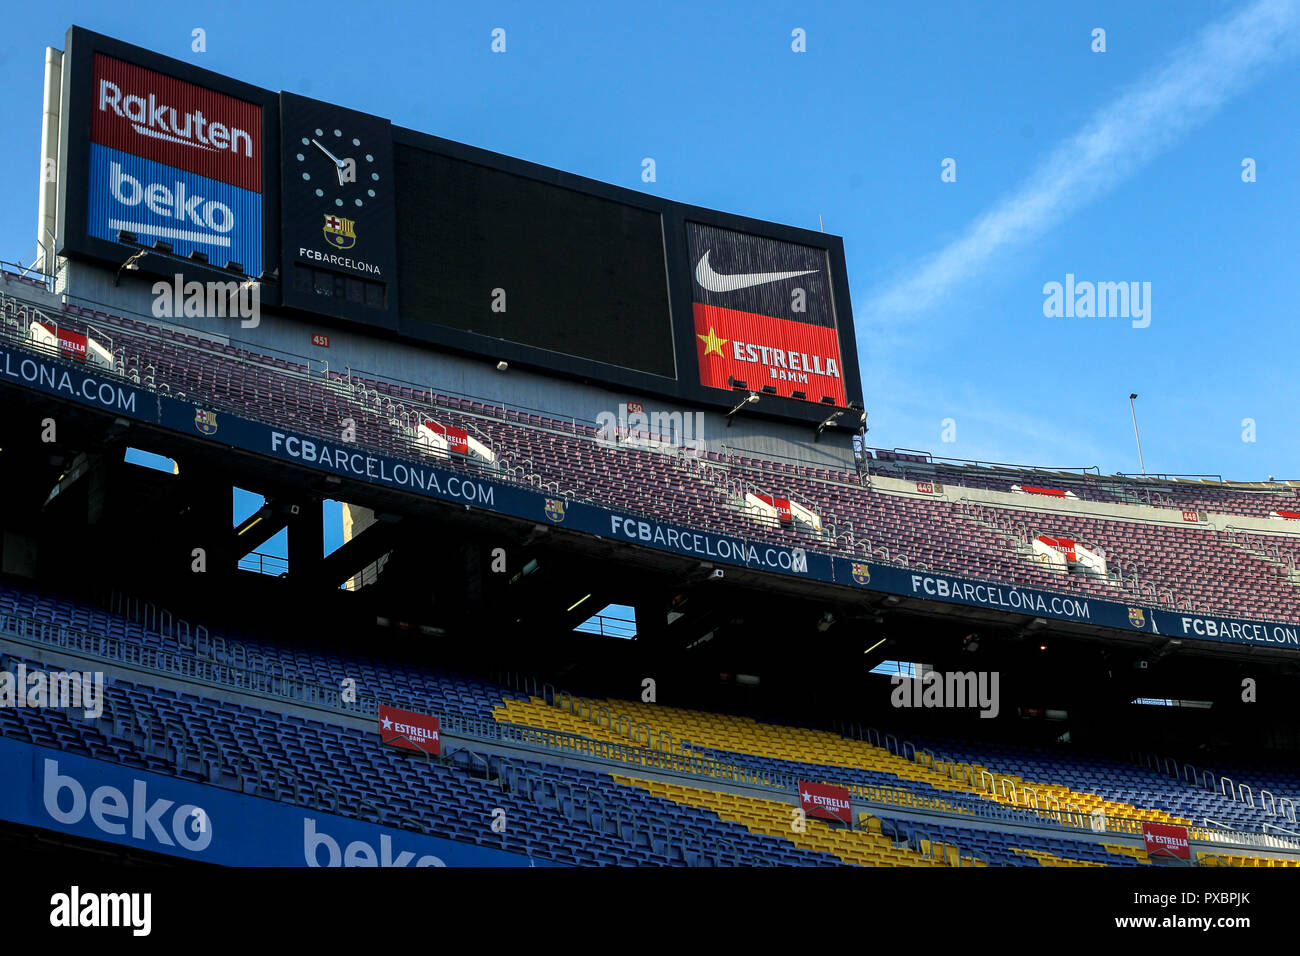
{"type": "Point", "coordinates": [270, 564]}
{"type": "Point", "coordinates": [1284, 807]}
{"type": "Point", "coordinates": [11, 271]}
{"type": "Point", "coordinates": [607, 626]}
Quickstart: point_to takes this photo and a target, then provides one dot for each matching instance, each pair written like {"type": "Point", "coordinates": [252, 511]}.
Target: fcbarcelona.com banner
{"type": "Point", "coordinates": [78, 384]}
{"type": "Point", "coordinates": [98, 800]}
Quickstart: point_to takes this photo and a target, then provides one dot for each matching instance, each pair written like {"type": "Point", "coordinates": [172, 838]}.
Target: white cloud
{"type": "Point", "coordinates": [1222, 61]}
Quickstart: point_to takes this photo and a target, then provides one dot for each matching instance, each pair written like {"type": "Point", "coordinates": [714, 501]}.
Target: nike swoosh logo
{"type": "Point", "coordinates": [715, 282]}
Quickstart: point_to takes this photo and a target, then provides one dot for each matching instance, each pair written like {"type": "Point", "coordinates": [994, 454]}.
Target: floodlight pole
{"type": "Point", "coordinates": [1133, 409]}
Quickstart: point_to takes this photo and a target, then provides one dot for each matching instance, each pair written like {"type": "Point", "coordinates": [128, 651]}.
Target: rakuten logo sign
{"type": "Point", "coordinates": [175, 123]}
{"type": "Point", "coordinates": [112, 813]}
{"type": "Point", "coordinates": [151, 118]}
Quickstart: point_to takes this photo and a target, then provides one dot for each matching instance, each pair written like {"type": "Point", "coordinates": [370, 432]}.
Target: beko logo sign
{"type": "Point", "coordinates": [174, 202]}
{"type": "Point", "coordinates": [149, 117]}
{"type": "Point", "coordinates": [192, 212]}
{"type": "Point", "coordinates": [114, 813]}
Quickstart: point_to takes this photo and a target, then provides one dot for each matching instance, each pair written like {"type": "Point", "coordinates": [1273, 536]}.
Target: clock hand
{"type": "Point", "coordinates": [334, 159]}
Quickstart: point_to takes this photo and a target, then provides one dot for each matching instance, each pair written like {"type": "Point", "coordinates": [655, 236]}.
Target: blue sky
{"type": "Point", "coordinates": [1115, 166]}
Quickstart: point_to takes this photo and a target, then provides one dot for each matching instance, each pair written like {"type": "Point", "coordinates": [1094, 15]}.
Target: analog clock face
{"type": "Point", "coordinates": [338, 226]}
{"type": "Point", "coordinates": [336, 167]}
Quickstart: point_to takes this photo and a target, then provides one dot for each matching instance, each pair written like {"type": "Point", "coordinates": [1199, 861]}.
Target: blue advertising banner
{"type": "Point", "coordinates": [190, 211]}
{"type": "Point", "coordinates": [352, 461]}
{"type": "Point", "coordinates": [148, 811]}
{"type": "Point", "coordinates": [40, 372]}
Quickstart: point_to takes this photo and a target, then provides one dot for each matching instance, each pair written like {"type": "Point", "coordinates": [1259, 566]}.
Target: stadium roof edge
{"type": "Point", "coordinates": [1090, 473]}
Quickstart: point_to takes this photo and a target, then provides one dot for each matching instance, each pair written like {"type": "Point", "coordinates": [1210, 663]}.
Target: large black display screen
{"type": "Point", "coordinates": [512, 258]}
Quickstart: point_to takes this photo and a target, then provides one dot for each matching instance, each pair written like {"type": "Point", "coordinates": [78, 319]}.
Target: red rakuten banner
{"type": "Point", "coordinates": [1166, 839]}
{"type": "Point", "coordinates": [761, 350]}
{"type": "Point", "coordinates": [824, 801]}
{"type": "Point", "coordinates": [404, 728]}
{"type": "Point", "coordinates": [175, 123]}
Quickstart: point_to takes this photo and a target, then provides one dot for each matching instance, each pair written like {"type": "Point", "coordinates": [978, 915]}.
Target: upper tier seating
{"type": "Point", "coordinates": [1192, 568]}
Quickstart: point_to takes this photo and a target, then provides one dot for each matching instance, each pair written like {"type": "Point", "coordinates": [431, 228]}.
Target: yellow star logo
{"type": "Point", "coordinates": [712, 342]}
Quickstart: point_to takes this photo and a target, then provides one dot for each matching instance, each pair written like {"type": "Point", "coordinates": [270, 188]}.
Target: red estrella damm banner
{"type": "Point", "coordinates": [177, 124]}
{"type": "Point", "coordinates": [781, 506]}
{"type": "Point", "coordinates": [457, 438]}
{"type": "Point", "coordinates": [72, 344]}
{"type": "Point", "coordinates": [824, 801]}
{"type": "Point", "coordinates": [761, 350]}
{"type": "Point", "coordinates": [1167, 839]}
{"type": "Point", "coordinates": [407, 729]}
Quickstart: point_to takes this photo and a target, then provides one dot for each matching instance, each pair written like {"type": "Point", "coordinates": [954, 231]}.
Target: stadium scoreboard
{"type": "Point", "coordinates": [497, 255]}
{"type": "Point", "coordinates": [354, 221]}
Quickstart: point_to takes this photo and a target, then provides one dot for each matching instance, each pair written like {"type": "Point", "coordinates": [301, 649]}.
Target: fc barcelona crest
{"type": "Point", "coordinates": [861, 573]}
{"type": "Point", "coordinates": [1136, 617]}
{"type": "Point", "coordinates": [205, 422]}
{"type": "Point", "coordinates": [339, 232]}
{"type": "Point", "coordinates": [555, 509]}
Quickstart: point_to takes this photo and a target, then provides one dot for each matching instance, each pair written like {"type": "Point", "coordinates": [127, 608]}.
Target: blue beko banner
{"type": "Point", "coordinates": [352, 461]}
{"type": "Point", "coordinates": [98, 800]}
{"type": "Point", "coordinates": [190, 211]}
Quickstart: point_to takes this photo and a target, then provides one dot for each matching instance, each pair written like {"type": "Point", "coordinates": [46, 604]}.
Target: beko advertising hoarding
{"type": "Point", "coordinates": [165, 152]}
